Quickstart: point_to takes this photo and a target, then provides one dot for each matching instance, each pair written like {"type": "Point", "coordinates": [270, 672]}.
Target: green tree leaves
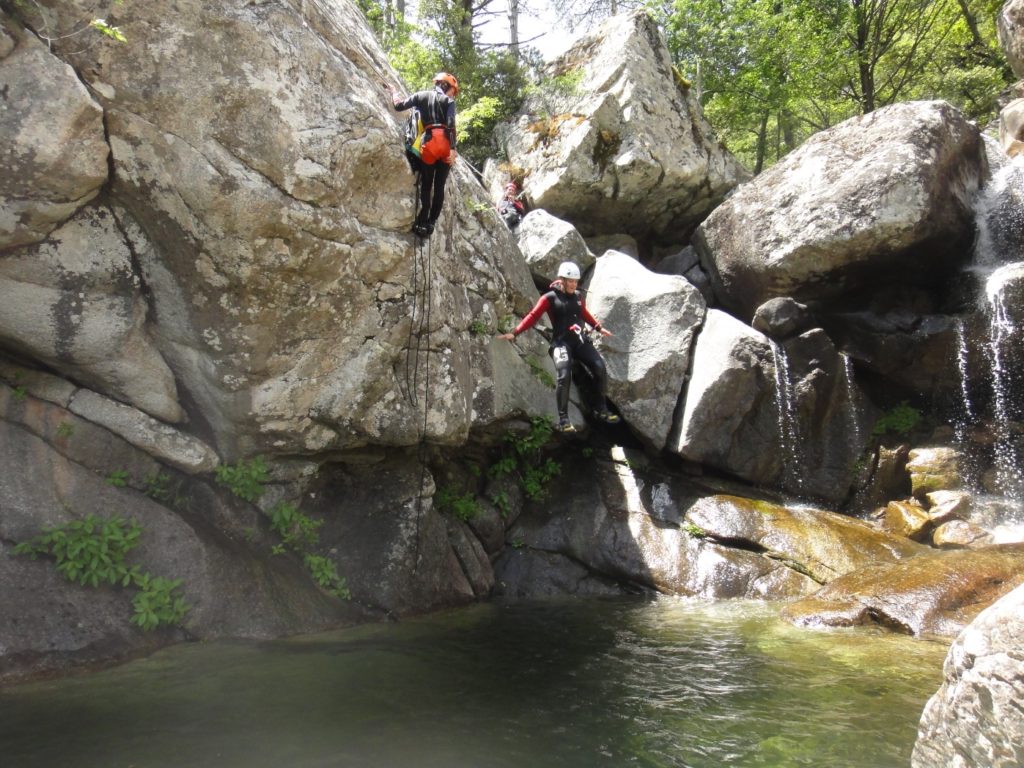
{"type": "Point", "coordinates": [770, 73]}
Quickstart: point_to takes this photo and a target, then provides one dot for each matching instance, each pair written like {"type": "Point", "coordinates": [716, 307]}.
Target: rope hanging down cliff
{"type": "Point", "coordinates": [422, 298]}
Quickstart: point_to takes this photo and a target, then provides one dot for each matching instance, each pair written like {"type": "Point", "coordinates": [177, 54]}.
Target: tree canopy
{"type": "Point", "coordinates": [769, 73]}
{"type": "Point", "coordinates": [772, 72]}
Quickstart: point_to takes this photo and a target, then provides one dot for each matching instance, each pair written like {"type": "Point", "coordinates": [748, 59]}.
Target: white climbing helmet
{"type": "Point", "coordinates": [568, 270]}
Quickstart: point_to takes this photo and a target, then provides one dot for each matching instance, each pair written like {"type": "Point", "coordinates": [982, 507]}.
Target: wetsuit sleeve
{"type": "Point", "coordinates": [531, 319]}
{"type": "Point", "coordinates": [407, 103]}
{"type": "Point", "coordinates": [591, 320]}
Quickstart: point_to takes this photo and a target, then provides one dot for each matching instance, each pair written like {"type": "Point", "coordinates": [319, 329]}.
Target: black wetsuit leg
{"type": "Point", "coordinates": [561, 354]}
{"type": "Point", "coordinates": [438, 180]}
{"type": "Point", "coordinates": [587, 354]}
{"type": "Point", "coordinates": [428, 174]}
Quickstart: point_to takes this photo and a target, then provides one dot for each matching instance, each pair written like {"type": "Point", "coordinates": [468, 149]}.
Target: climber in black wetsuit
{"type": "Point", "coordinates": [565, 308]}
{"type": "Point", "coordinates": [434, 147]}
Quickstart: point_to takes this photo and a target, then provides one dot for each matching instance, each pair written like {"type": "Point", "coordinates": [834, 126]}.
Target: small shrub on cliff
{"type": "Point", "coordinates": [245, 480]}
{"type": "Point", "coordinates": [464, 507]}
{"type": "Point", "coordinates": [301, 533]}
{"type": "Point", "coordinates": [325, 573]}
{"type": "Point", "coordinates": [92, 552]}
{"type": "Point", "coordinates": [297, 530]}
{"type": "Point", "coordinates": [156, 602]}
{"type": "Point", "coordinates": [527, 460]}
{"type": "Point", "coordinates": [899, 420]}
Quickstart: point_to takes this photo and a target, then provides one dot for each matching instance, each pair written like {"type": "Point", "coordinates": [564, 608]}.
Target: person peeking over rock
{"type": "Point", "coordinates": [510, 207]}
{"type": "Point", "coordinates": [570, 342]}
{"type": "Point", "coordinates": [430, 144]}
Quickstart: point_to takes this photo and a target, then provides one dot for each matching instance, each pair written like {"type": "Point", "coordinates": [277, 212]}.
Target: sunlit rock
{"type": "Point", "coordinates": [958, 534]}
{"type": "Point", "coordinates": [1011, 127]}
{"type": "Point", "coordinates": [622, 243]}
{"type": "Point", "coordinates": [789, 416]}
{"type": "Point", "coordinates": [885, 196]}
{"type": "Point", "coordinates": [627, 527]}
{"type": "Point", "coordinates": [907, 518]}
{"type": "Point", "coordinates": [822, 544]}
{"type": "Point", "coordinates": [1010, 26]}
{"type": "Point", "coordinates": [944, 506]}
{"type": "Point", "coordinates": [934, 469]}
{"type": "Point", "coordinates": [654, 319]}
{"type": "Point", "coordinates": [76, 303]}
{"type": "Point", "coordinates": [271, 203]}
{"type": "Point", "coordinates": [625, 147]}
{"type": "Point", "coordinates": [546, 241]}
{"type": "Point", "coordinates": [975, 718]}
{"type": "Point", "coordinates": [934, 593]}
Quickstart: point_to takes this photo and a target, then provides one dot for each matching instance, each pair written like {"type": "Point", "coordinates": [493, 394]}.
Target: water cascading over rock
{"type": "Point", "coordinates": [990, 361]}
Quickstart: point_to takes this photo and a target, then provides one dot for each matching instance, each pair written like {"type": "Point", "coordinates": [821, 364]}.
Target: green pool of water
{"type": "Point", "coordinates": [562, 683]}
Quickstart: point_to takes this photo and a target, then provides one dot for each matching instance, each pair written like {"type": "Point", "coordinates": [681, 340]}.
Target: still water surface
{"type": "Point", "coordinates": [526, 685]}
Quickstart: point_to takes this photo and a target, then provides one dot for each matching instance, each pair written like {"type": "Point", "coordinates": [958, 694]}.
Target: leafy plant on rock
{"type": "Point", "coordinates": [92, 552]}
{"type": "Point", "coordinates": [300, 533]}
{"type": "Point", "coordinates": [525, 458]}
{"type": "Point", "coordinates": [244, 479]}
{"type": "Point", "coordinates": [899, 420]}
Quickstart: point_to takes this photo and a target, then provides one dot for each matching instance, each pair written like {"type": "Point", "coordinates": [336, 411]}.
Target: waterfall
{"type": "Point", "coordinates": [1004, 333]}
{"type": "Point", "coordinates": [789, 432]}
{"type": "Point", "coordinates": [999, 214]}
{"type": "Point", "coordinates": [999, 265]}
{"type": "Point", "coordinates": [854, 412]}
{"type": "Point", "coordinates": [967, 416]}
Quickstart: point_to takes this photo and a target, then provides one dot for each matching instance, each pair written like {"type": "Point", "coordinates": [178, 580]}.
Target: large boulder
{"type": "Point", "coordinates": [55, 151]}
{"type": "Point", "coordinates": [1010, 26]}
{"type": "Point", "coordinates": [908, 349]}
{"type": "Point", "coordinates": [729, 417]}
{"type": "Point", "coordinates": [881, 197]}
{"type": "Point", "coordinates": [788, 416]}
{"type": "Point", "coordinates": [546, 241]}
{"type": "Point", "coordinates": [654, 319]}
{"type": "Point", "coordinates": [76, 303]}
{"type": "Point", "coordinates": [627, 150]}
{"type": "Point", "coordinates": [268, 206]}
{"type": "Point", "coordinates": [975, 719]}
{"type": "Point", "coordinates": [935, 593]}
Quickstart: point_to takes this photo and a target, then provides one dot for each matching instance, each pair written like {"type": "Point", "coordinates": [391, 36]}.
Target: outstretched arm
{"type": "Point", "coordinates": [530, 320]}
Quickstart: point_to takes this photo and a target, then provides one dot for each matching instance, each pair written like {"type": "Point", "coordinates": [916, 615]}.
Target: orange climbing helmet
{"type": "Point", "coordinates": [449, 80]}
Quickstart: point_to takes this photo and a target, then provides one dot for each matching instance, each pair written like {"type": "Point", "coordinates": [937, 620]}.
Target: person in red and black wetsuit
{"type": "Point", "coordinates": [436, 151]}
{"type": "Point", "coordinates": [568, 313]}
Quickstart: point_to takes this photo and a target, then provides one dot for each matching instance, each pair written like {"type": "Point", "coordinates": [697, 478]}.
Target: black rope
{"type": "Point", "coordinates": [412, 358]}
{"type": "Point", "coordinates": [428, 293]}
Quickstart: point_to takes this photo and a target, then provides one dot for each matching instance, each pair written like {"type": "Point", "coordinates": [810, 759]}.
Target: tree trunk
{"type": "Point", "coordinates": [513, 27]}
{"type": "Point", "coordinates": [972, 25]}
{"type": "Point", "coordinates": [862, 47]}
{"type": "Point", "coordinates": [762, 141]}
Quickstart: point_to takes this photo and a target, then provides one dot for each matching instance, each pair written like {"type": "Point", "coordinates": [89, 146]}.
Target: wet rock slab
{"type": "Point", "coordinates": [936, 593]}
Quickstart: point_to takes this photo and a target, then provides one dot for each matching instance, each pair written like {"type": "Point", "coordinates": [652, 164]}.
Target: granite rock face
{"type": "Point", "coordinates": [883, 195]}
{"type": "Point", "coordinates": [975, 719]}
{"type": "Point", "coordinates": [626, 149]}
